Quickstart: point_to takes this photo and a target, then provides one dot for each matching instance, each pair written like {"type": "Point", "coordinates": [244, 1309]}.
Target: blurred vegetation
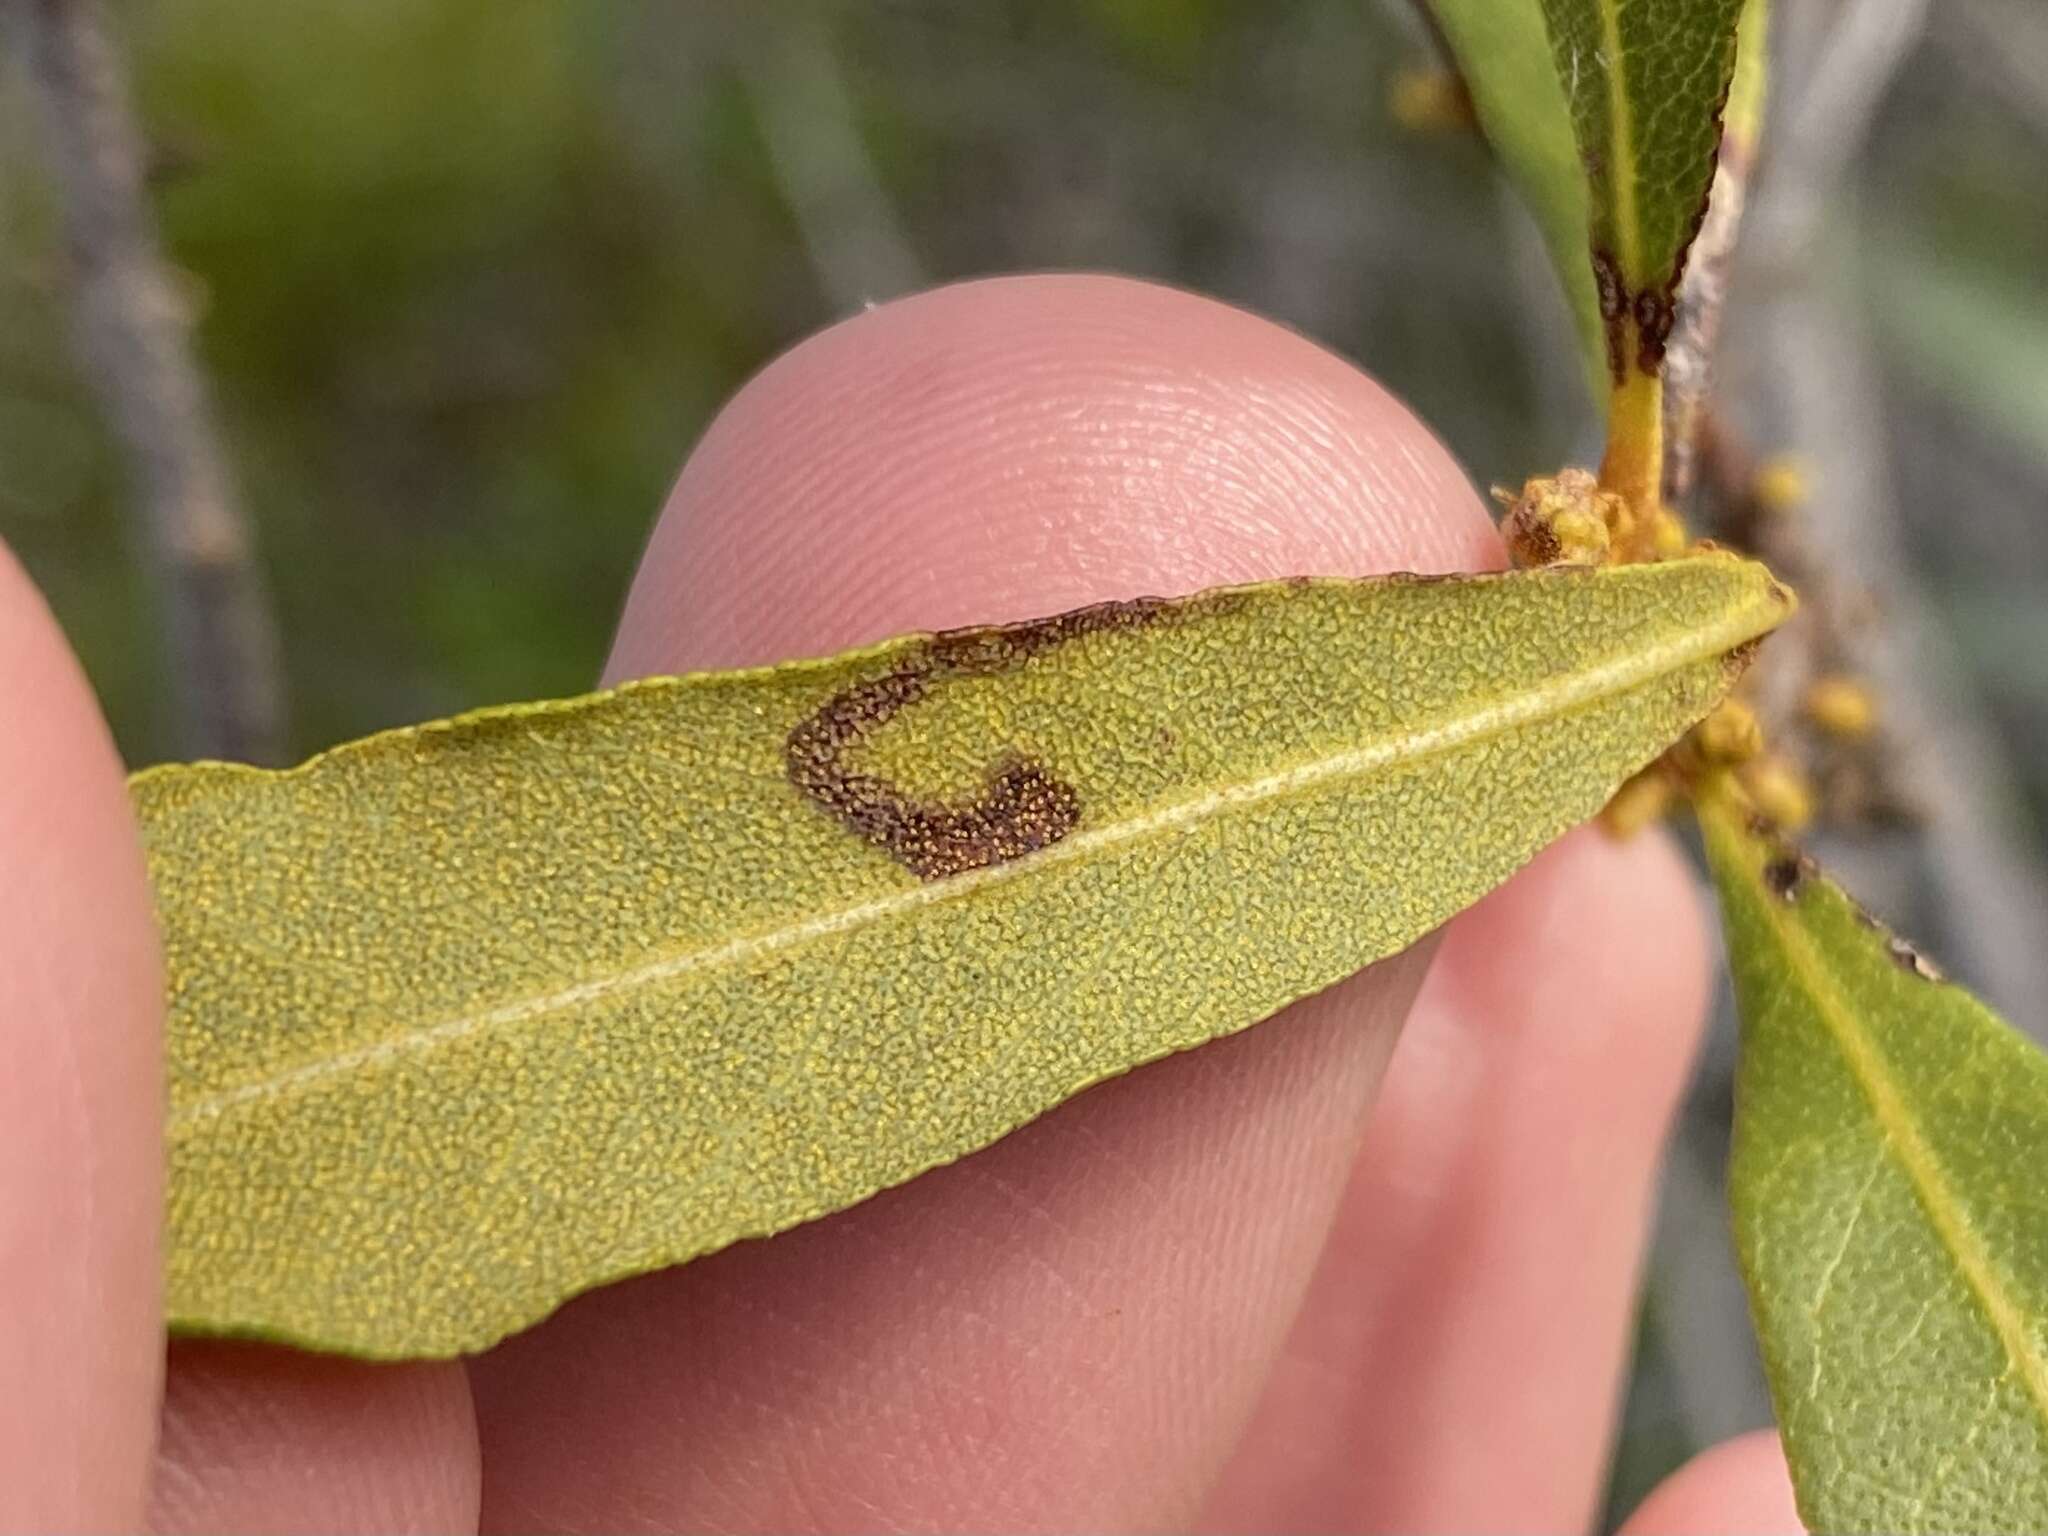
{"type": "Point", "coordinates": [473, 274]}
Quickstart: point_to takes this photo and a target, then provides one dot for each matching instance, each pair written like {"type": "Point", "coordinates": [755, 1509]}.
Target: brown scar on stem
{"type": "Point", "coordinates": [1021, 806]}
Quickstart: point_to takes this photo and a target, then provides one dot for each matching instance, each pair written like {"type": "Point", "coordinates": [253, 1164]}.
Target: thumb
{"type": "Point", "coordinates": [1069, 1329]}
{"type": "Point", "coordinates": [81, 1330]}
{"type": "Point", "coordinates": [1738, 1485]}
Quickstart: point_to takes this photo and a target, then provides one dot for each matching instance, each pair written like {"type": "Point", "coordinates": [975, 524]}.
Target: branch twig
{"type": "Point", "coordinates": [134, 334]}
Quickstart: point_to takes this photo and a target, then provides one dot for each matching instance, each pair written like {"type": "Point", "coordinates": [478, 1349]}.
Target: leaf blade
{"type": "Point", "coordinates": [1607, 115]}
{"type": "Point", "coordinates": [468, 1018]}
{"type": "Point", "coordinates": [1886, 1123]}
{"type": "Point", "coordinates": [1645, 82]}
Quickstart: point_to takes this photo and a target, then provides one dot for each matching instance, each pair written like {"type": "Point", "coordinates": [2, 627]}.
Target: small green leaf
{"type": "Point", "coordinates": [468, 1018]}
{"type": "Point", "coordinates": [1890, 1188]}
{"type": "Point", "coordinates": [1502, 48]}
{"type": "Point", "coordinates": [1607, 114]}
{"type": "Point", "coordinates": [1645, 80]}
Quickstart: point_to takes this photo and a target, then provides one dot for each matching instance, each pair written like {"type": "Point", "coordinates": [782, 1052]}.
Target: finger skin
{"type": "Point", "coordinates": [81, 994]}
{"type": "Point", "coordinates": [252, 1439]}
{"type": "Point", "coordinates": [272, 1441]}
{"type": "Point", "coordinates": [1739, 1485]}
{"type": "Point", "coordinates": [1018, 447]}
{"type": "Point", "coordinates": [1068, 1330]}
{"type": "Point", "coordinates": [1457, 1365]}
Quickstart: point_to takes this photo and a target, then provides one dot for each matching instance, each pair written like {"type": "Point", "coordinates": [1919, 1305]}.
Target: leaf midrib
{"type": "Point", "coordinates": [1577, 691]}
{"type": "Point", "coordinates": [1621, 145]}
{"type": "Point", "coordinates": [1923, 1168]}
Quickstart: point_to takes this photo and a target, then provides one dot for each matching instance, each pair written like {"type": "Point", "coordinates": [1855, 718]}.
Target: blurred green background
{"type": "Point", "coordinates": [472, 275]}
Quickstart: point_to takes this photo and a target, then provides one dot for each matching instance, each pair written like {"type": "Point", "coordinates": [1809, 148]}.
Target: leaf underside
{"type": "Point", "coordinates": [1891, 1210]}
{"type": "Point", "coordinates": [467, 1018]}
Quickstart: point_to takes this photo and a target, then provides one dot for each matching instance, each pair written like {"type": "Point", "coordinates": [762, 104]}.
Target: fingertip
{"type": "Point", "coordinates": [263, 1439]}
{"type": "Point", "coordinates": [1019, 446]}
{"type": "Point", "coordinates": [1455, 1365]}
{"type": "Point", "coordinates": [80, 1121]}
{"type": "Point", "coordinates": [1069, 1327]}
{"type": "Point", "coordinates": [1739, 1485]}
{"type": "Point", "coordinates": [1618, 920]}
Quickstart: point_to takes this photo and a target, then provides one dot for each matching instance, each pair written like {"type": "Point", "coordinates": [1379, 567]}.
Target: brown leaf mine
{"type": "Point", "coordinates": [1021, 808]}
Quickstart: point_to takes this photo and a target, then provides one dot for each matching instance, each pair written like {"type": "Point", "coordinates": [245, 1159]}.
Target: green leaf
{"type": "Point", "coordinates": [1502, 48]}
{"type": "Point", "coordinates": [1607, 115]}
{"type": "Point", "coordinates": [468, 1018]}
{"type": "Point", "coordinates": [1890, 1189]}
{"type": "Point", "coordinates": [1645, 81]}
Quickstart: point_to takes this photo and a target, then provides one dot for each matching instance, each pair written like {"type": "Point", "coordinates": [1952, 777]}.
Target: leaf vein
{"type": "Point", "coordinates": [1616, 676]}
{"type": "Point", "coordinates": [1922, 1167]}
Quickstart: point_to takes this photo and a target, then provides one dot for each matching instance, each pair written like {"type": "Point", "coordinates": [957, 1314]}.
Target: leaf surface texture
{"type": "Point", "coordinates": [1646, 80]}
{"type": "Point", "coordinates": [470, 1017]}
{"type": "Point", "coordinates": [1890, 1188]}
{"type": "Point", "coordinates": [1607, 115]}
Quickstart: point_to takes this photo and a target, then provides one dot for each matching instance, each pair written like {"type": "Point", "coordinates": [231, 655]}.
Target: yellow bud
{"type": "Point", "coordinates": [1638, 803]}
{"type": "Point", "coordinates": [1581, 535]}
{"type": "Point", "coordinates": [1729, 735]}
{"type": "Point", "coordinates": [1667, 535]}
{"type": "Point", "coordinates": [1779, 484]}
{"type": "Point", "coordinates": [1431, 101]}
{"type": "Point", "coordinates": [1561, 519]}
{"type": "Point", "coordinates": [1780, 792]}
{"type": "Point", "coordinates": [1841, 706]}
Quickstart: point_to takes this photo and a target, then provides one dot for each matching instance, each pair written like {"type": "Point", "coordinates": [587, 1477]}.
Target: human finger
{"type": "Point", "coordinates": [268, 1440]}
{"type": "Point", "coordinates": [1458, 1363]}
{"type": "Point", "coordinates": [81, 1123]}
{"type": "Point", "coordinates": [1069, 1329]}
{"type": "Point", "coordinates": [1739, 1485]}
